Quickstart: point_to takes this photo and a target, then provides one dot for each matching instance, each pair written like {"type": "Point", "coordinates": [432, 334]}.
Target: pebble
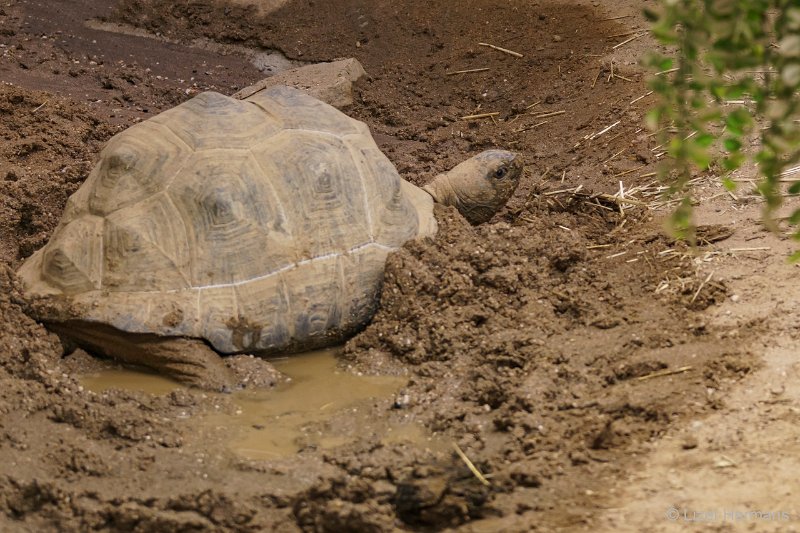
{"type": "Point", "coordinates": [689, 443]}
{"type": "Point", "coordinates": [401, 401]}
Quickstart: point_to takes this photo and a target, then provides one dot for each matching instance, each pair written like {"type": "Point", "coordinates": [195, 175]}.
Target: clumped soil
{"type": "Point", "coordinates": [532, 342]}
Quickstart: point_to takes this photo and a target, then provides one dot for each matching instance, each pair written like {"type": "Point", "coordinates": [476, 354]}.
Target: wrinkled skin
{"type": "Point", "coordinates": [479, 186]}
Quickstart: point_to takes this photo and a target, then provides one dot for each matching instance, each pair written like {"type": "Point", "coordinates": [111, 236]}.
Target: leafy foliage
{"type": "Point", "coordinates": [746, 51]}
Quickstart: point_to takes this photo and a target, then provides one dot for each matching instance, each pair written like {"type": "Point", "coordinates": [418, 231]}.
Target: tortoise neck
{"type": "Point", "coordinates": [442, 190]}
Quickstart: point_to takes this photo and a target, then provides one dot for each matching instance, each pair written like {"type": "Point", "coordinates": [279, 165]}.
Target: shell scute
{"type": "Point", "coordinates": [214, 121]}
{"type": "Point", "coordinates": [72, 259]}
{"type": "Point", "coordinates": [329, 212]}
{"type": "Point", "coordinates": [393, 217]}
{"type": "Point", "coordinates": [133, 166]}
{"type": "Point", "coordinates": [297, 110]}
{"type": "Point", "coordinates": [145, 248]}
{"type": "Point", "coordinates": [235, 227]}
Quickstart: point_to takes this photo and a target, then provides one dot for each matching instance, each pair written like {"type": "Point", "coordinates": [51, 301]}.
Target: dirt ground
{"type": "Point", "coordinates": [598, 373]}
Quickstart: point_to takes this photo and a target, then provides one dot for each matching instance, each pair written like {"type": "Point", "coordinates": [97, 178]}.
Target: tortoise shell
{"type": "Point", "coordinates": [259, 225]}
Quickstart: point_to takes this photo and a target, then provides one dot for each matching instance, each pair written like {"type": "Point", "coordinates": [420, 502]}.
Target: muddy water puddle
{"type": "Point", "coordinates": [320, 406]}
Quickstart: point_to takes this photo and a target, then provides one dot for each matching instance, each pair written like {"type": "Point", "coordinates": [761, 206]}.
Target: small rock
{"type": "Point", "coordinates": [557, 38]}
{"type": "Point", "coordinates": [330, 82]}
{"type": "Point", "coordinates": [689, 443]}
{"type": "Point", "coordinates": [402, 400]}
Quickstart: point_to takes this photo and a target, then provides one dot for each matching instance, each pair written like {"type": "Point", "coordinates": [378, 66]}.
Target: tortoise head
{"type": "Point", "coordinates": [479, 186]}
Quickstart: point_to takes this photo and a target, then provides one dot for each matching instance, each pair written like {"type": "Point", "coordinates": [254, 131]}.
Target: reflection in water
{"type": "Point", "coordinates": [280, 421]}
{"type": "Point", "coordinates": [130, 380]}
{"type": "Point", "coordinates": [320, 407]}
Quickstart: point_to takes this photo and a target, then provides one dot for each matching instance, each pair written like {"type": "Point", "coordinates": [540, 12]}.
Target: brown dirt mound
{"type": "Point", "coordinates": [47, 150]}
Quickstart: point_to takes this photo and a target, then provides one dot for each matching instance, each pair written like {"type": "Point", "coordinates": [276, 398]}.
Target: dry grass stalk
{"type": "Point", "coordinates": [663, 373]}
{"type": "Point", "coordinates": [470, 465]}
{"type": "Point", "coordinates": [500, 49]}
{"type": "Point", "coordinates": [614, 138]}
{"type": "Point", "coordinates": [626, 41]}
{"type": "Point", "coordinates": [532, 126]}
{"type": "Point", "coordinates": [548, 114]}
{"type": "Point", "coordinates": [468, 71]}
{"type": "Point", "coordinates": [480, 116]}
{"type": "Point", "coordinates": [753, 249]}
{"type": "Point", "coordinates": [614, 199]}
{"type": "Point", "coordinates": [668, 71]}
{"type": "Point", "coordinates": [703, 284]}
{"type": "Point", "coordinates": [627, 171]}
{"type": "Point", "coordinates": [604, 130]}
{"type": "Point", "coordinates": [533, 192]}
{"type": "Point", "coordinates": [623, 34]}
{"type": "Point", "coordinates": [562, 191]}
{"type": "Point", "coordinates": [596, 77]}
{"type": "Point", "coordinates": [788, 172]}
{"type": "Point", "coordinates": [613, 156]}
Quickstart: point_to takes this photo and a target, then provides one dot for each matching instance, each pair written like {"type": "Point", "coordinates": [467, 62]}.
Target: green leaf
{"type": "Point", "coordinates": [733, 161]}
{"type": "Point", "coordinates": [794, 218]}
{"type": "Point", "coordinates": [704, 140]}
{"type": "Point", "coordinates": [729, 184]}
{"type": "Point", "coordinates": [665, 34]}
{"type": "Point", "coordinates": [699, 155]}
{"type": "Point", "coordinates": [719, 91]}
{"type": "Point", "coordinates": [735, 91]}
{"type": "Point", "coordinates": [732, 144]}
{"type": "Point", "coordinates": [712, 115]}
{"type": "Point", "coordinates": [698, 102]}
{"type": "Point", "coordinates": [794, 188]}
{"type": "Point", "coordinates": [680, 222]}
{"type": "Point", "coordinates": [738, 120]}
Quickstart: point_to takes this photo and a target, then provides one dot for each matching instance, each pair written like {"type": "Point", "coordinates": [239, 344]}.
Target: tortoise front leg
{"type": "Point", "coordinates": [188, 361]}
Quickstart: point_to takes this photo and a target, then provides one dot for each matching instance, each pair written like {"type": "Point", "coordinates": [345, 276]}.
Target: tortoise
{"type": "Point", "coordinates": [226, 226]}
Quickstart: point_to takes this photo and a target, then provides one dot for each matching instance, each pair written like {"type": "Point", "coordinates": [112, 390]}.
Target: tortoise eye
{"type": "Point", "coordinates": [500, 172]}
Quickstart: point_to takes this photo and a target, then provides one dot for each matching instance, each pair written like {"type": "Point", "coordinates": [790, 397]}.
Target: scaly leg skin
{"type": "Point", "coordinates": [188, 361]}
